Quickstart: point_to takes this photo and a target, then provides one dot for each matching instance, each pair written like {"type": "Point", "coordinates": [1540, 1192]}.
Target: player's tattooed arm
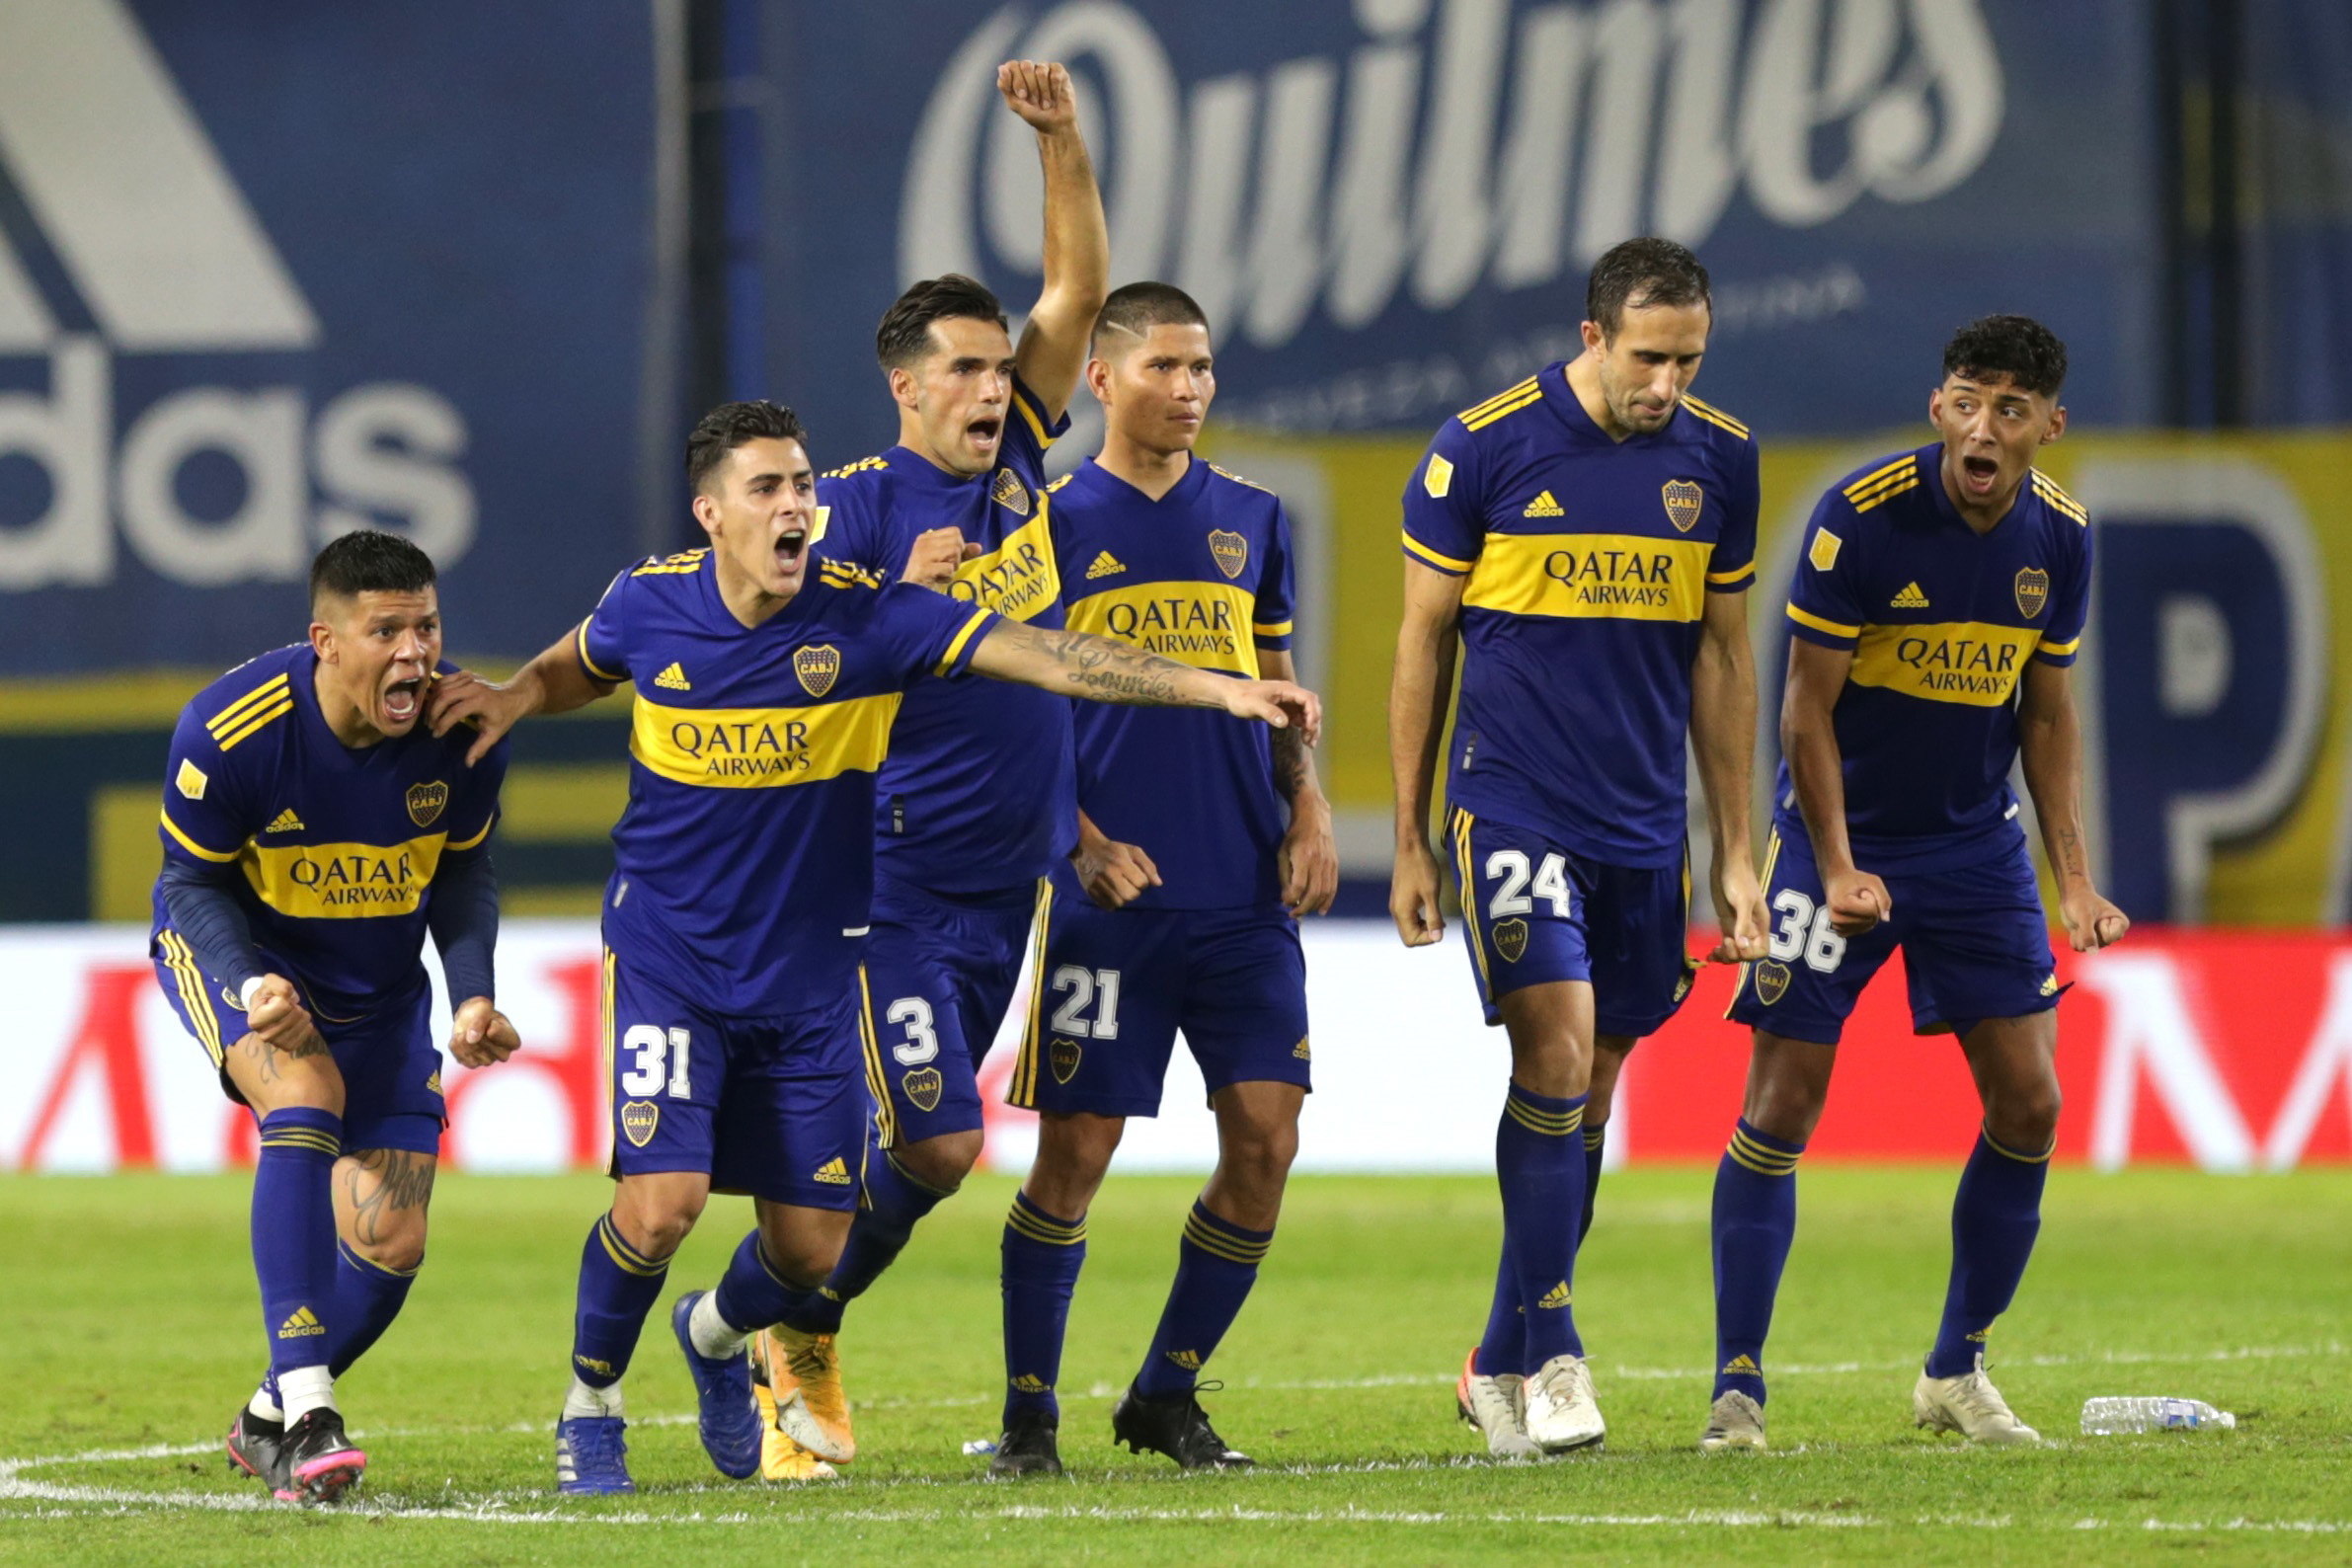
{"type": "Point", "coordinates": [553, 682]}
{"type": "Point", "coordinates": [1418, 689]}
{"type": "Point", "coordinates": [1105, 670]}
{"type": "Point", "coordinates": [1308, 857]}
{"type": "Point", "coordinates": [1857, 899]}
{"type": "Point", "coordinates": [2050, 748]}
{"type": "Point", "coordinates": [1077, 245]}
{"type": "Point", "coordinates": [387, 1190]}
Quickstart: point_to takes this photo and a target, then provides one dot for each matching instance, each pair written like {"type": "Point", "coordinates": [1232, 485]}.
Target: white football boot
{"type": "Point", "coordinates": [1561, 1413]}
{"type": "Point", "coordinates": [1734, 1421]}
{"type": "Point", "coordinates": [1490, 1405]}
{"type": "Point", "coordinates": [1970, 1405]}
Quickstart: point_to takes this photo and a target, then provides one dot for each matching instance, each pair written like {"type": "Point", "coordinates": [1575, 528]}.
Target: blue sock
{"type": "Point", "coordinates": [1217, 1263]}
{"type": "Point", "coordinates": [367, 1297]}
{"type": "Point", "coordinates": [1042, 1258]}
{"type": "Point", "coordinates": [1502, 1348]}
{"type": "Point", "coordinates": [1596, 1144]}
{"type": "Point", "coordinates": [1755, 1221]}
{"type": "Point", "coordinates": [293, 1233]}
{"type": "Point", "coordinates": [753, 1294]}
{"type": "Point", "coordinates": [1540, 1167]}
{"type": "Point", "coordinates": [618, 1286]}
{"type": "Point", "coordinates": [1995, 1217]}
{"type": "Point", "coordinates": [894, 1200]}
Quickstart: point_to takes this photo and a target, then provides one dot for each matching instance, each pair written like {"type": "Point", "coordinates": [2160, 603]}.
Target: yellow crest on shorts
{"type": "Point", "coordinates": [1511, 939]}
{"type": "Point", "coordinates": [426, 802]}
{"type": "Point", "coordinates": [1684, 498]}
{"type": "Point", "coordinates": [922, 1087]}
{"type": "Point", "coordinates": [1772, 980]}
{"type": "Point", "coordinates": [1063, 1054]}
{"type": "Point", "coordinates": [1229, 550]}
{"type": "Point", "coordinates": [2033, 591]}
{"type": "Point", "coordinates": [639, 1118]}
{"type": "Point", "coordinates": [818, 667]}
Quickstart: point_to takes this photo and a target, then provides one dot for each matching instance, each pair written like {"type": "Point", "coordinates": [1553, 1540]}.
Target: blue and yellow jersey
{"type": "Point", "coordinates": [976, 794]}
{"type": "Point", "coordinates": [1941, 621]}
{"type": "Point", "coordinates": [1200, 575]}
{"type": "Point", "coordinates": [336, 848]}
{"type": "Point", "coordinates": [1589, 562]}
{"type": "Point", "coordinates": [744, 862]}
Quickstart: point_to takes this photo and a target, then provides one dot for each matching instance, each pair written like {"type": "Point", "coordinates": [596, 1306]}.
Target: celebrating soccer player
{"type": "Point", "coordinates": [740, 1026]}
{"type": "Point", "coordinates": [1590, 534]}
{"type": "Point", "coordinates": [1937, 606]}
{"type": "Point", "coordinates": [313, 834]}
{"type": "Point", "coordinates": [1200, 844]}
{"type": "Point", "coordinates": [974, 802]}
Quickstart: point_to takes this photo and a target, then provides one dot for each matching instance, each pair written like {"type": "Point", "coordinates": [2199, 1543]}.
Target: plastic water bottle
{"type": "Point", "coordinates": [2105, 1417]}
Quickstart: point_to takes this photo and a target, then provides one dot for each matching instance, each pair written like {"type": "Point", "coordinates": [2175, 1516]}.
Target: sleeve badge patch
{"type": "Point", "coordinates": [1438, 477]}
{"type": "Point", "coordinates": [190, 780]}
{"type": "Point", "coordinates": [1823, 553]}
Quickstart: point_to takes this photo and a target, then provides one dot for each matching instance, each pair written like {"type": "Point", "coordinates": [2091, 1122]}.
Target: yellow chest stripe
{"type": "Point", "coordinates": [343, 882]}
{"type": "Point", "coordinates": [1965, 661]}
{"type": "Point", "coordinates": [762, 747]}
{"type": "Point", "coordinates": [1578, 576]}
{"type": "Point", "coordinates": [1206, 625]}
{"type": "Point", "coordinates": [1016, 580]}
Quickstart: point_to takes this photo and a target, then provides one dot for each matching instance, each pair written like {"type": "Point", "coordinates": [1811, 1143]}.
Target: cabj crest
{"type": "Point", "coordinates": [639, 1118]}
{"type": "Point", "coordinates": [426, 802]}
{"type": "Point", "coordinates": [1511, 939]}
{"type": "Point", "coordinates": [2033, 591]}
{"type": "Point", "coordinates": [1063, 1054]}
{"type": "Point", "coordinates": [1772, 980]}
{"type": "Point", "coordinates": [1683, 499]}
{"type": "Point", "coordinates": [922, 1087]}
{"type": "Point", "coordinates": [1229, 550]}
{"type": "Point", "coordinates": [1010, 492]}
{"type": "Point", "coordinates": [818, 667]}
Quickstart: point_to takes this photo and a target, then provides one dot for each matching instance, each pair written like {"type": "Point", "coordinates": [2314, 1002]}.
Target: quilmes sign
{"type": "Point", "coordinates": [152, 249]}
{"type": "Point", "coordinates": [1406, 165]}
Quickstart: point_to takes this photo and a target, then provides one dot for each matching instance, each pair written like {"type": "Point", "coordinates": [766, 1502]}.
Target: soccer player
{"type": "Point", "coordinates": [313, 835]}
{"type": "Point", "coordinates": [739, 1022]}
{"type": "Point", "coordinates": [1589, 534]}
{"type": "Point", "coordinates": [974, 803]}
{"type": "Point", "coordinates": [1182, 559]}
{"type": "Point", "coordinates": [1937, 609]}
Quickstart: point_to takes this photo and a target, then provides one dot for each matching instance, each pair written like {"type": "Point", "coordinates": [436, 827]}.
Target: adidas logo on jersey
{"type": "Point", "coordinates": [1189, 1360]}
{"type": "Point", "coordinates": [1911, 598]}
{"type": "Point", "coordinates": [284, 822]}
{"type": "Point", "coordinates": [304, 1322]}
{"type": "Point", "coordinates": [1556, 1296]}
{"type": "Point", "coordinates": [672, 679]}
{"type": "Point", "coordinates": [1544, 506]}
{"type": "Point", "coordinates": [1105, 564]}
{"type": "Point", "coordinates": [833, 1173]}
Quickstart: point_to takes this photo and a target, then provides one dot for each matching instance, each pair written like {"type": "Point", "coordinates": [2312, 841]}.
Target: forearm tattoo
{"type": "Point", "coordinates": [382, 1184]}
{"type": "Point", "coordinates": [1107, 670]}
{"type": "Point", "coordinates": [1294, 766]}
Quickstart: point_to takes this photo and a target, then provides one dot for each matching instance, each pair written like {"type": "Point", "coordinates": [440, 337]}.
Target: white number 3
{"type": "Point", "coordinates": [659, 1056]}
{"type": "Point", "coordinates": [1806, 929]}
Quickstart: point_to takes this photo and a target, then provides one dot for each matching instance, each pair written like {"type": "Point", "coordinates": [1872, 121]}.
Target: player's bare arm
{"type": "Point", "coordinates": [1418, 688]}
{"type": "Point", "coordinates": [1077, 253]}
{"type": "Point", "coordinates": [1309, 856]}
{"type": "Point", "coordinates": [2050, 750]}
{"type": "Point", "coordinates": [1723, 737]}
{"type": "Point", "coordinates": [1113, 874]}
{"type": "Point", "coordinates": [1857, 899]}
{"type": "Point", "coordinates": [1105, 670]}
{"type": "Point", "coordinates": [553, 682]}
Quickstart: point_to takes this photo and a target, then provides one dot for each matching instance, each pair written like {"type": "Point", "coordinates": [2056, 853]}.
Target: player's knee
{"type": "Point", "coordinates": [802, 1244]}
{"type": "Point", "coordinates": [941, 1163]}
{"type": "Point", "coordinates": [654, 1218]}
{"type": "Point", "coordinates": [1258, 1158]}
{"type": "Point", "coordinates": [400, 1250]}
{"type": "Point", "coordinates": [2025, 1116]}
{"type": "Point", "coordinates": [1073, 1154]}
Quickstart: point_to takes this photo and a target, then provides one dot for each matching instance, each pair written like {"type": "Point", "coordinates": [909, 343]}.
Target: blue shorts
{"type": "Point", "coordinates": [770, 1106]}
{"type": "Point", "coordinates": [1975, 943]}
{"type": "Point", "coordinates": [1114, 986]}
{"type": "Point", "coordinates": [1535, 911]}
{"type": "Point", "coordinates": [390, 1064]}
{"type": "Point", "coordinates": [941, 970]}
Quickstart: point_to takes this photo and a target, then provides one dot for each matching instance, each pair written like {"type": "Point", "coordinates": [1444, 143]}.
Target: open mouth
{"type": "Point", "coordinates": [791, 544]}
{"type": "Point", "coordinates": [402, 700]}
{"type": "Point", "coordinates": [1980, 472]}
{"type": "Point", "coordinates": [983, 432]}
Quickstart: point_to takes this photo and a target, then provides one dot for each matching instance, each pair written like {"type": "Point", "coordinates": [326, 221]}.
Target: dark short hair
{"type": "Point", "coordinates": [1136, 308]}
{"type": "Point", "coordinates": [368, 561]}
{"type": "Point", "coordinates": [730, 426]}
{"type": "Point", "coordinates": [2015, 349]}
{"type": "Point", "coordinates": [1640, 273]}
{"type": "Point", "coordinates": [905, 336]}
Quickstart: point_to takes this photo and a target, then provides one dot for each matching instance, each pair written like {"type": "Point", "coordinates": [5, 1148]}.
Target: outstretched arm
{"type": "Point", "coordinates": [1077, 255]}
{"type": "Point", "coordinates": [2049, 744]}
{"type": "Point", "coordinates": [1419, 688]}
{"type": "Point", "coordinates": [1104, 669]}
{"type": "Point", "coordinates": [553, 682]}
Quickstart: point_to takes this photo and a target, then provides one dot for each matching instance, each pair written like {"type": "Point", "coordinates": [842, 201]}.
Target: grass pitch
{"type": "Point", "coordinates": [128, 1335]}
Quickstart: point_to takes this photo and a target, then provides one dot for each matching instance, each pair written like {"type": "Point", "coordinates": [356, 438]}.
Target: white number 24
{"type": "Point", "coordinates": [1550, 878]}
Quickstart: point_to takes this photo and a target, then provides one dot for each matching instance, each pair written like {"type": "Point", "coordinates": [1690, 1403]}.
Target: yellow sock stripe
{"type": "Point", "coordinates": [886, 1115]}
{"type": "Point", "coordinates": [261, 720]}
{"type": "Point", "coordinates": [1504, 396]}
{"type": "Point", "coordinates": [368, 1265]}
{"type": "Point", "coordinates": [1038, 1225]}
{"type": "Point", "coordinates": [180, 957]}
{"type": "Point", "coordinates": [1223, 1244]}
{"type": "Point", "coordinates": [626, 1257]}
{"type": "Point", "coordinates": [1594, 1136]}
{"type": "Point", "coordinates": [236, 712]}
{"type": "Point", "coordinates": [303, 1137]}
{"type": "Point", "coordinates": [2022, 1158]}
{"type": "Point", "coordinates": [1553, 1124]}
{"type": "Point", "coordinates": [1763, 1160]}
{"type": "Point", "coordinates": [1762, 1150]}
{"type": "Point", "coordinates": [1038, 1216]}
{"type": "Point", "coordinates": [1024, 1086]}
{"type": "Point", "coordinates": [1470, 899]}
